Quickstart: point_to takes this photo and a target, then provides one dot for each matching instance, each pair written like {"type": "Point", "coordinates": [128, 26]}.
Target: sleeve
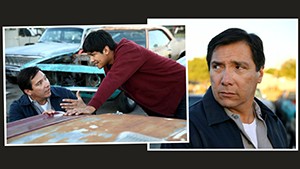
{"type": "Point", "coordinates": [15, 112]}
{"type": "Point", "coordinates": [129, 59]}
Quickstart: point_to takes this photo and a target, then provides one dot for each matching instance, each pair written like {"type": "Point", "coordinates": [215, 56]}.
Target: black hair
{"type": "Point", "coordinates": [97, 40]}
{"type": "Point", "coordinates": [233, 35]}
{"type": "Point", "coordinates": [25, 76]}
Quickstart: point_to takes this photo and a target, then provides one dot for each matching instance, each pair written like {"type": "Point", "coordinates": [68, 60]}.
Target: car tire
{"type": "Point", "coordinates": [124, 103]}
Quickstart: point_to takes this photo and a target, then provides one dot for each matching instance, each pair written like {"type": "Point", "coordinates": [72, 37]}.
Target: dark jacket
{"type": "Point", "coordinates": [211, 127]}
{"type": "Point", "coordinates": [22, 108]}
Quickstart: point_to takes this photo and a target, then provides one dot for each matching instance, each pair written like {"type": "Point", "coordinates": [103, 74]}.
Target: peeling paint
{"type": "Point", "coordinates": [93, 126]}
{"type": "Point", "coordinates": [106, 128]}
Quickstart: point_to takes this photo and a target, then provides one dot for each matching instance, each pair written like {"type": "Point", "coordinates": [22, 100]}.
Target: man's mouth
{"type": "Point", "coordinates": [227, 94]}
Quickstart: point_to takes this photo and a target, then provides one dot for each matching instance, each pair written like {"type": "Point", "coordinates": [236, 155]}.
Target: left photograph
{"type": "Point", "coordinates": [94, 84]}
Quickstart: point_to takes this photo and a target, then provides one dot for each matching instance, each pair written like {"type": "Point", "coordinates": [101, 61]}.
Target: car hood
{"type": "Point", "coordinates": [42, 49]}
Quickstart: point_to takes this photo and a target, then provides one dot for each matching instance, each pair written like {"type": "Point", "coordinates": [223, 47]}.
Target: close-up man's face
{"type": "Point", "coordinates": [40, 87]}
{"type": "Point", "coordinates": [100, 59]}
{"type": "Point", "coordinates": [233, 75]}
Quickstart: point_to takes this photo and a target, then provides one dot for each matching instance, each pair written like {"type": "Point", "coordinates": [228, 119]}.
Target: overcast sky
{"type": "Point", "coordinates": [279, 35]}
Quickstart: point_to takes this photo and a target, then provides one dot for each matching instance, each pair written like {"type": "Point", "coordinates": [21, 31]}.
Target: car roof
{"type": "Point", "coordinates": [131, 27]}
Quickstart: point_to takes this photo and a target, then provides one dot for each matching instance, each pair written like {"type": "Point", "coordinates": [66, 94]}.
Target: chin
{"type": "Point", "coordinates": [226, 103]}
{"type": "Point", "coordinates": [48, 94]}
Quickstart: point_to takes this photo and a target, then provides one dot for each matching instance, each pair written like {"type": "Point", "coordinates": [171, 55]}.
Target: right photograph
{"type": "Point", "coordinates": [242, 84]}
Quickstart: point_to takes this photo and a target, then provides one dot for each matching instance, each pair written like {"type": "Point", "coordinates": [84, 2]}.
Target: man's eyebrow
{"type": "Point", "coordinates": [240, 63]}
{"type": "Point", "coordinates": [40, 80]}
{"type": "Point", "coordinates": [37, 82]}
{"type": "Point", "coordinates": [216, 62]}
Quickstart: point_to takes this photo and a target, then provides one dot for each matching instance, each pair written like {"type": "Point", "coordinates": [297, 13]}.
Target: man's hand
{"type": "Point", "coordinates": [70, 104]}
{"type": "Point", "coordinates": [52, 112]}
{"type": "Point", "coordinates": [88, 110]}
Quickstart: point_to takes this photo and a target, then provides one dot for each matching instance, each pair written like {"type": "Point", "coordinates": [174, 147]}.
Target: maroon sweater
{"type": "Point", "coordinates": [156, 83]}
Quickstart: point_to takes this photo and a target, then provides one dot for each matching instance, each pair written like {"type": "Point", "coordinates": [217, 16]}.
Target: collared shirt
{"type": "Point", "coordinates": [41, 108]}
{"type": "Point", "coordinates": [261, 129]}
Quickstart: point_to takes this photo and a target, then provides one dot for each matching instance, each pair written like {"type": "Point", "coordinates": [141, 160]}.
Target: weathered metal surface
{"type": "Point", "coordinates": [35, 122]}
{"type": "Point", "coordinates": [107, 128]}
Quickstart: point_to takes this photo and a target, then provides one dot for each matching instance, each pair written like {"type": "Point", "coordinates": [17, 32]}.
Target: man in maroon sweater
{"type": "Point", "coordinates": [154, 82]}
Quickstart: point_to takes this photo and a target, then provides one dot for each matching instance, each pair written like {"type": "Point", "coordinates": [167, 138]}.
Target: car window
{"type": "Point", "coordinates": [138, 36]}
{"type": "Point", "coordinates": [62, 35]}
{"type": "Point", "coordinates": [157, 38]}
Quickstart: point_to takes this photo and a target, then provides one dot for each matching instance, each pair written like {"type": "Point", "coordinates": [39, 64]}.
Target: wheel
{"type": "Point", "coordinates": [125, 104]}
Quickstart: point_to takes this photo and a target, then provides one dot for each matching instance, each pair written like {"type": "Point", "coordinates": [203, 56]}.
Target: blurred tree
{"type": "Point", "coordinates": [288, 69]}
{"type": "Point", "coordinates": [273, 71]}
{"type": "Point", "coordinates": [197, 70]}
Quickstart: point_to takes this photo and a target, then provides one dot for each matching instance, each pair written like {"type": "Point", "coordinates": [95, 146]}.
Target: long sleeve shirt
{"type": "Point", "coordinates": [23, 107]}
{"type": "Point", "coordinates": [155, 82]}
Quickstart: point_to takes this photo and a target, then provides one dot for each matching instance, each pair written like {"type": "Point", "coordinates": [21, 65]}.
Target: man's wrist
{"type": "Point", "coordinates": [91, 110]}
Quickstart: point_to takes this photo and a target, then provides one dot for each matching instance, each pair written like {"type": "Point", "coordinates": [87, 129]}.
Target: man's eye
{"type": "Point", "coordinates": [215, 66]}
{"type": "Point", "coordinates": [239, 67]}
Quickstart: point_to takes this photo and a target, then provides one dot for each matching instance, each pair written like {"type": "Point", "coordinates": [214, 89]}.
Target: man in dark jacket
{"type": "Point", "coordinates": [38, 97]}
{"type": "Point", "coordinates": [229, 116]}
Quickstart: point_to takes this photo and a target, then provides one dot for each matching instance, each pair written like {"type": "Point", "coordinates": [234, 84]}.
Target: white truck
{"type": "Point", "coordinates": [21, 36]}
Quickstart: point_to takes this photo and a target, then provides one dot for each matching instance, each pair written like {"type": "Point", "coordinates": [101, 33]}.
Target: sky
{"type": "Point", "coordinates": [279, 35]}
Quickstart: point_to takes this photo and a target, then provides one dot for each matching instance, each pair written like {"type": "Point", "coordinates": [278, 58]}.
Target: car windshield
{"type": "Point", "coordinates": [62, 35]}
{"type": "Point", "coordinates": [138, 36]}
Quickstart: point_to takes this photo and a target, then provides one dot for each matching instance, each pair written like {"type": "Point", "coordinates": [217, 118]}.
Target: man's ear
{"type": "Point", "coordinates": [106, 50]}
{"type": "Point", "coordinates": [260, 75]}
{"type": "Point", "coordinates": [28, 92]}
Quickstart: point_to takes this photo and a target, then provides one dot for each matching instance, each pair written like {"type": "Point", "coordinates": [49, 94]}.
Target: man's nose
{"type": "Point", "coordinates": [47, 83]}
{"type": "Point", "coordinates": [227, 77]}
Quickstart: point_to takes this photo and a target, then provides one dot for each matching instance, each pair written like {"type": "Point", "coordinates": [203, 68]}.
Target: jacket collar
{"type": "Point", "coordinates": [213, 110]}
{"type": "Point", "coordinates": [24, 100]}
{"type": "Point", "coordinates": [215, 113]}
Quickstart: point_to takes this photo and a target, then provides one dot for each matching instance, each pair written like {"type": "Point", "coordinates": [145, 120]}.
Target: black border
{"type": "Point", "coordinates": [14, 13]}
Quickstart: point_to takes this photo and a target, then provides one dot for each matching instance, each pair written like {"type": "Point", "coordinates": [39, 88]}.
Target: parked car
{"type": "Point", "coordinates": [68, 68]}
{"type": "Point", "coordinates": [156, 38]}
{"type": "Point", "coordinates": [270, 104]}
{"type": "Point", "coordinates": [88, 129]}
{"type": "Point", "coordinates": [193, 98]}
{"type": "Point", "coordinates": [286, 111]}
{"type": "Point", "coordinates": [20, 36]}
{"type": "Point", "coordinates": [54, 42]}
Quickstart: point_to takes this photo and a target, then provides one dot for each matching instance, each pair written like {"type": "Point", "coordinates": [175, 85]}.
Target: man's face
{"type": "Point", "coordinates": [40, 87]}
{"type": "Point", "coordinates": [233, 76]}
{"type": "Point", "coordinates": [101, 59]}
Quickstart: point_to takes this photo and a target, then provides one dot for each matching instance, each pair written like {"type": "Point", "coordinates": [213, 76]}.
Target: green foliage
{"type": "Point", "coordinates": [197, 70]}
{"type": "Point", "coordinates": [271, 71]}
{"type": "Point", "coordinates": [287, 69]}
